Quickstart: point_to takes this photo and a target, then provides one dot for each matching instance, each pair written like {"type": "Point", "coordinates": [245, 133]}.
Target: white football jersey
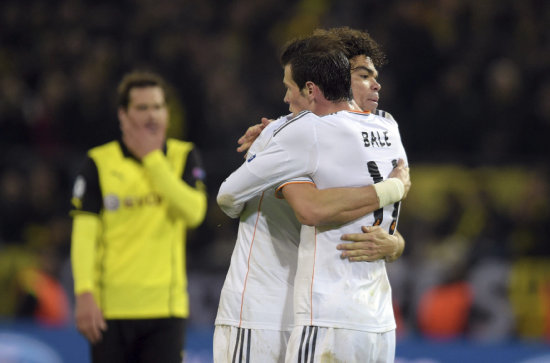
{"type": "Point", "coordinates": [344, 149]}
{"type": "Point", "coordinates": [258, 289]}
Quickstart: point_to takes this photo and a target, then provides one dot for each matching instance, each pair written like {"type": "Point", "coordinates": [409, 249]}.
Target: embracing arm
{"type": "Point", "coordinates": [239, 187]}
{"type": "Point", "coordinates": [315, 207]}
{"type": "Point", "coordinates": [371, 245]}
{"type": "Point", "coordinates": [252, 134]}
{"type": "Point", "coordinates": [273, 164]}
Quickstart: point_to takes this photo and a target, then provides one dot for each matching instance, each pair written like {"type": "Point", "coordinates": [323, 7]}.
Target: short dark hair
{"type": "Point", "coordinates": [321, 60]}
{"type": "Point", "coordinates": [357, 42]}
{"type": "Point", "coordinates": [138, 79]}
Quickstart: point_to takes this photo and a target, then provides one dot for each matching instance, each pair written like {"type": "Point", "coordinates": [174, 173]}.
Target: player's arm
{"type": "Point", "coordinates": [315, 207]}
{"type": "Point", "coordinates": [88, 316]}
{"type": "Point", "coordinates": [258, 173]}
{"type": "Point", "coordinates": [254, 131]}
{"type": "Point", "coordinates": [237, 189]}
{"type": "Point", "coordinates": [371, 245]}
{"type": "Point", "coordinates": [87, 203]}
{"type": "Point", "coordinates": [187, 198]}
{"type": "Point", "coordinates": [270, 166]}
{"type": "Point", "coordinates": [252, 134]}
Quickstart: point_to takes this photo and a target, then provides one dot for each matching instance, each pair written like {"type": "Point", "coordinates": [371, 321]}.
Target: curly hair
{"type": "Point", "coordinates": [357, 42]}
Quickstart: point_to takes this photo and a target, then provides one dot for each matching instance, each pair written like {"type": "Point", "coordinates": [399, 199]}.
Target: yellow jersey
{"type": "Point", "coordinates": [137, 268]}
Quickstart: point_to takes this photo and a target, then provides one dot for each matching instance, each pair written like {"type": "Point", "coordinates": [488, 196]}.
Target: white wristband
{"type": "Point", "coordinates": [389, 191]}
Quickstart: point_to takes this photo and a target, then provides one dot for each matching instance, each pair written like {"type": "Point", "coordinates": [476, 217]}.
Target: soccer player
{"type": "Point", "coordinates": [297, 148]}
{"type": "Point", "coordinates": [133, 201]}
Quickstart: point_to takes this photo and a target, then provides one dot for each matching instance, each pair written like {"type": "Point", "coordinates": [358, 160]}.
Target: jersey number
{"type": "Point", "coordinates": [379, 213]}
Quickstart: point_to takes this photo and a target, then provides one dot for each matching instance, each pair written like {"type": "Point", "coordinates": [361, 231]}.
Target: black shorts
{"type": "Point", "coordinates": [141, 341]}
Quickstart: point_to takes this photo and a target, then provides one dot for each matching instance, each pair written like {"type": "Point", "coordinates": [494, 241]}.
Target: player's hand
{"type": "Point", "coordinates": [401, 171]}
{"type": "Point", "coordinates": [142, 139]}
{"type": "Point", "coordinates": [89, 318]}
{"type": "Point", "coordinates": [373, 244]}
{"type": "Point", "coordinates": [252, 134]}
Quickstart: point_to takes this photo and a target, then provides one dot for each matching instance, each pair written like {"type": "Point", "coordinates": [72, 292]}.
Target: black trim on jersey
{"type": "Point", "coordinates": [243, 331]}
{"type": "Point", "coordinates": [304, 329]}
{"type": "Point", "coordinates": [125, 151]}
{"type": "Point", "coordinates": [384, 114]}
{"type": "Point", "coordinates": [377, 177]}
{"type": "Point", "coordinates": [239, 345]}
{"type": "Point", "coordinates": [236, 345]}
{"type": "Point", "coordinates": [306, 350]}
{"type": "Point", "coordinates": [194, 170]}
{"type": "Point", "coordinates": [128, 154]}
{"type": "Point", "coordinates": [380, 113]}
{"type": "Point", "coordinates": [396, 206]}
{"type": "Point", "coordinates": [299, 116]}
{"type": "Point", "coordinates": [248, 346]}
{"type": "Point", "coordinates": [92, 200]}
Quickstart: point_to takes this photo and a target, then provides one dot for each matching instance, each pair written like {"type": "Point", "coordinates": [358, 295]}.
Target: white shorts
{"type": "Point", "coordinates": [232, 344]}
{"type": "Point", "coordinates": [310, 344]}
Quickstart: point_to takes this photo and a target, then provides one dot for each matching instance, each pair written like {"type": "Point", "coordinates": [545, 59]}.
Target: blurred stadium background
{"type": "Point", "coordinates": [467, 80]}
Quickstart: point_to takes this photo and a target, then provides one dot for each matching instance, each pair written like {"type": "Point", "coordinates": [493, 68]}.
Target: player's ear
{"type": "Point", "coordinates": [122, 115]}
{"type": "Point", "coordinates": [310, 87]}
{"type": "Point", "coordinates": [314, 92]}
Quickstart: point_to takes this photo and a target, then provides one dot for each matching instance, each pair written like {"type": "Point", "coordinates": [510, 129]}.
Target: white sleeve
{"type": "Point", "coordinates": [265, 136]}
{"type": "Point", "coordinates": [290, 153]}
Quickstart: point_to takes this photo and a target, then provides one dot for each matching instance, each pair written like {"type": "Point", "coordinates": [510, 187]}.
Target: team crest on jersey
{"type": "Point", "coordinates": [198, 173]}
{"type": "Point", "coordinates": [111, 202]}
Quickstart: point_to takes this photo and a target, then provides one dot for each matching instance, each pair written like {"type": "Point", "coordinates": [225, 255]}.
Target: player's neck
{"type": "Point", "coordinates": [354, 106]}
{"type": "Point", "coordinates": [329, 107]}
